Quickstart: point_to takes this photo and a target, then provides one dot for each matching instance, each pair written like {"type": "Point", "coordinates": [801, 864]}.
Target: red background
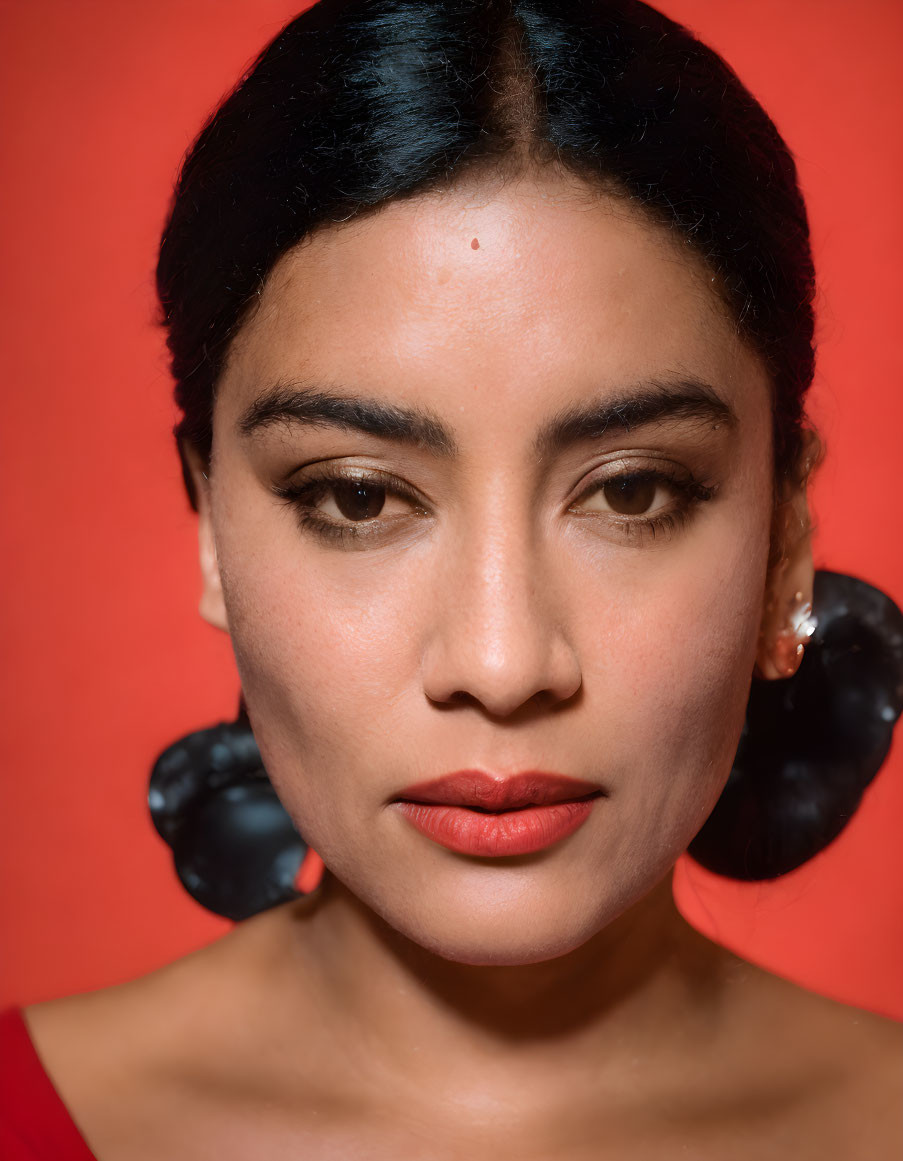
{"type": "Point", "coordinates": [105, 659]}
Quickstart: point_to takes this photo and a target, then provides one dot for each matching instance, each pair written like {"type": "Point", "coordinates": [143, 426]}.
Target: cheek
{"type": "Point", "coordinates": [326, 650]}
{"type": "Point", "coordinates": [670, 680]}
{"type": "Point", "coordinates": [329, 645]}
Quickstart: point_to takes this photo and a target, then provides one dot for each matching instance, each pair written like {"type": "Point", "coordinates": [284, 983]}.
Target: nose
{"type": "Point", "coordinates": [498, 628]}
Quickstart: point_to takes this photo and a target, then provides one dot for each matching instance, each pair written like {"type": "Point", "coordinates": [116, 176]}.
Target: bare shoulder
{"type": "Point", "coordinates": [159, 1056]}
{"type": "Point", "coordinates": [145, 1015]}
{"type": "Point", "coordinates": [843, 1063]}
{"type": "Point", "coordinates": [831, 1029]}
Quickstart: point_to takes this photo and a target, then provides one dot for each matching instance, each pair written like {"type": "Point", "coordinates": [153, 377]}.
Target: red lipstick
{"type": "Point", "coordinates": [475, 814]}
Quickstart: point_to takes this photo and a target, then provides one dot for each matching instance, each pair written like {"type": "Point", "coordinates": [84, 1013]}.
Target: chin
{"type": "Point", "coordinates": [514, 952]}
{"type": "Point", "coordinates": [500, 923]}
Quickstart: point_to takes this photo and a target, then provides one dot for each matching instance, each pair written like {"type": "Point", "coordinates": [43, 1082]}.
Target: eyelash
{"type": "Point", "coordinates": [304, 496]}
{"type": "Point", "coordinates": [690, 492]}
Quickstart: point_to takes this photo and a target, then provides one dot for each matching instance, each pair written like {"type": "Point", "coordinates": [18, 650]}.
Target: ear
{"type": "Point", "coordinates": [787, 622]}
{"type": "Point", "coordinates": [212, 606]}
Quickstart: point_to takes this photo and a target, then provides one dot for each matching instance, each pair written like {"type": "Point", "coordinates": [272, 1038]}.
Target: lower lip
{"type": "Point", "coordinates": [509, 832]}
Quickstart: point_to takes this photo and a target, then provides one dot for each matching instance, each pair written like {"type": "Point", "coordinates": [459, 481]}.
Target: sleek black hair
{"type": "Point", "coordinates": [359, 102]}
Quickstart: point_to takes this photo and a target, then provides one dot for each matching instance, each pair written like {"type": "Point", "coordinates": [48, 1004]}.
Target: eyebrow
{"type": "Point", "coordinates": [307, 404]}
{"type": "Point", "coordinates": [654, 401]}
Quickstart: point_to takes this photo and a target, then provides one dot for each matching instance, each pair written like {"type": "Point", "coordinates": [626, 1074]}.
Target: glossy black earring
{"type": "Point", "coordinates": [813, 742]}
{"type": "Point", "coordinates": [810, 746]}
{"type": "Point", "coordinates": [235, 848]}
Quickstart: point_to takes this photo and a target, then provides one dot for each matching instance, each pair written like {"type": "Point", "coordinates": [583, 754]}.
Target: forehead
{"type": "Point", "coordinates": [519, 294]}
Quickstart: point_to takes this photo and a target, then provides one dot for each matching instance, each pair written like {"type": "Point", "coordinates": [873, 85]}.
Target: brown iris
{"type": "Point", "coordinates": [630, 495]}
{"type": "Point", "coordinates": [359, 500]}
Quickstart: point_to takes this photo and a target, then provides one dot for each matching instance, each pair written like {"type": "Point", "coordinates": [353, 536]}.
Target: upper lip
{"type": "Point", "coordinates": [484, 791]}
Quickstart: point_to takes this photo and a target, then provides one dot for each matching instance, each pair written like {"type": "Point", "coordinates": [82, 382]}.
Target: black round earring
{"type": "Point", "coordinates": [235, 848]}
{"type": "Point", "coordinates": [813, 742]}
{"type": "Point", "coordinates": [810, 746]}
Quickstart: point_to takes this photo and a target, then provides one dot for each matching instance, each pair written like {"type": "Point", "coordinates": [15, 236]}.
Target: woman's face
{"type": "Point", "coordinates": [558, 562]}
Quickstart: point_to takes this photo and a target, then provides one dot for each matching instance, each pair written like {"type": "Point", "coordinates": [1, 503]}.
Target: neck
{"type": "Point", "coordinates": [645, 983]}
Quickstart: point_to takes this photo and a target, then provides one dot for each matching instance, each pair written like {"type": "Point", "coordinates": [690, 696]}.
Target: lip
{"type": "Point", "coordinates": [474, 813]}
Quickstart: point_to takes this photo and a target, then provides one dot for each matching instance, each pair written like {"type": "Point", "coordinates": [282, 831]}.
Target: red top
{"type": "Point", "coordinates": [35, 1125]}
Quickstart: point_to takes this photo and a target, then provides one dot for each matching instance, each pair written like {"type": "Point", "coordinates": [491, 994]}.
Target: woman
{"type": "Point", "coordinates": [491, 327]}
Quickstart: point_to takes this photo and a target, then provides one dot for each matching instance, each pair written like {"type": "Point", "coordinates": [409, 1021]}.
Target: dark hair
{"type": "Point", "coordinates": [358, 102]}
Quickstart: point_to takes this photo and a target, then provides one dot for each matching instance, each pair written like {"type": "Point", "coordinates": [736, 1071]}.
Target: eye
{"type": "Point", "coordinates": [630, 494]}
{"type": "Point", "coordinates": [645, 502]}
{"type": "Point", "coordinates": [350, 505]}
{"type": "Point", "coordinates": [354, 499]}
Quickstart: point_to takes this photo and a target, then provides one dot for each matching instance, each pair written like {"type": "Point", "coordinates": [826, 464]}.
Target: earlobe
{"type": "Point", "coordinates": [781, 653]}
{"type": "Point", "coordinates": [788, 621]}
{"type": "Point", "coordinates": [212, 605]}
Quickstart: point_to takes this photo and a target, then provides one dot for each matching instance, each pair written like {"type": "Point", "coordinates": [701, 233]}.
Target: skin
{"type": "Point", "coordinates": [424, 1003]}
{"type": "Point", "coordinates": [501, 631]}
